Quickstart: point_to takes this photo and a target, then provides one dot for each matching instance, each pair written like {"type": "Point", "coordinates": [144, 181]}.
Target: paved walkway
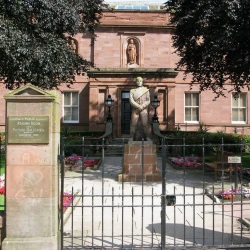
{"type": "Point", "coordinates": [126, 222]}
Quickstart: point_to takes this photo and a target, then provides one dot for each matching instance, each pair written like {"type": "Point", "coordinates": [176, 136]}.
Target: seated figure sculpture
{"type": "Point", "coordinates": [139, 99]}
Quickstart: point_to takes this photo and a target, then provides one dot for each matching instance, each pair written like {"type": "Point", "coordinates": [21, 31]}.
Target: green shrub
{"type": "Point", "coordinates": [74, 139]}
{"type": "Point", "coordinates": [2, 162]}
{"type": "Point", "coordinates": [69, 133]}
{"type": "Point", "coordinates": [75, 146]}
{"type": "Point", "coordinates": [212, 141]}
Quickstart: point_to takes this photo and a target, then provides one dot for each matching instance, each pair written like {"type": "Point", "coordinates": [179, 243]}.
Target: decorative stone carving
{"type": "Point", "coordinates": [72, 44]}
{"type": "Point", "coordinates": [132, 53]}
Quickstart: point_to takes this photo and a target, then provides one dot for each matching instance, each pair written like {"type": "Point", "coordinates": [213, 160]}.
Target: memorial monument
{"type": "Point", "coordinates": [140, 159]}
{"type": "Point", "coordinates": [139, 99]}
{"type": "Point", "coordinates": [32, 171]}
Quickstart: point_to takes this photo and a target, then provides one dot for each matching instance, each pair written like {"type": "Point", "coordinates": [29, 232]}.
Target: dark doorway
{"type": "Point", "coordinates": [125, 113]}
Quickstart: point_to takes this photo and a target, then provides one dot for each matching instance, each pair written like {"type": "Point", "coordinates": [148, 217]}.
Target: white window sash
{"type": "Point", "coordinates": [239, 109]}
{"type": "Point", "coordinates": [71, 111]}
{"type": "Point", "coordinates": [192, 110]}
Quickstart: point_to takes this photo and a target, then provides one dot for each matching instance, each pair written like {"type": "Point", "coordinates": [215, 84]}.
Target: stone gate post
{"type": "Point", "coordinates": [32, 172]}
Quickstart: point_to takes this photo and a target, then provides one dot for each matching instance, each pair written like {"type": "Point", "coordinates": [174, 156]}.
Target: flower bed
{"type": "Point", "coordinates": [187, 162]}
{"type": "Point", "coordinates": [90, 163]}
{"type": "Point", "coordinates": [232, 194]}
{"type": "Point", "coordinates": [228, 194]}
{"type": "Point", "coordinates": [75, 162]}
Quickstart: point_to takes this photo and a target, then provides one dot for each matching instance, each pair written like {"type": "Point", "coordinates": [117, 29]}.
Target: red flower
{"type": "Point", "coordinates": [2, 190]}
{"type": "Point", "coordinates": [90, 163]}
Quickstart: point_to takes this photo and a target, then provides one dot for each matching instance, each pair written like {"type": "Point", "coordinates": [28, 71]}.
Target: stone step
{"type": "Point", "coordinates": [115, 147]}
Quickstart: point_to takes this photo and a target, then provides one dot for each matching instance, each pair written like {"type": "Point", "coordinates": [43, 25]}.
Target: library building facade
{"type": "Point", "coordinates": [138, 43]}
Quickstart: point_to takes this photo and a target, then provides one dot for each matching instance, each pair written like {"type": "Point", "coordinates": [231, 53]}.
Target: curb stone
{"type": "Point", "coordinates": [212, 196]}
{"type": "Point", "coordinates": [245, 222]}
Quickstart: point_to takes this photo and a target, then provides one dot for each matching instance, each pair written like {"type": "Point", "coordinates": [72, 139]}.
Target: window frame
{"type": "Point", "coordinates": [239, 107]}
{"type": "Point", "coordinates": [192, 121]}
{"type": "Point", "coordinates": [71, 106]}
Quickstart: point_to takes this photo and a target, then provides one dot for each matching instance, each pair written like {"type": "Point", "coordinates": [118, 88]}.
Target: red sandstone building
{"type": "Point", "coordinates": [83, 105]}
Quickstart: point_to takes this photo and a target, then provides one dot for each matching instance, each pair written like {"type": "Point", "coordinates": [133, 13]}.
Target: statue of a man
{"type": "Point", "coordinates": [139, 99]}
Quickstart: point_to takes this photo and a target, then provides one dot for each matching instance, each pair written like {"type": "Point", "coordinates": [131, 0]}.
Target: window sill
{"type": "Point", "coordinates": [67, 122]}
{"type": "Point", "coordinates": [239, 123]}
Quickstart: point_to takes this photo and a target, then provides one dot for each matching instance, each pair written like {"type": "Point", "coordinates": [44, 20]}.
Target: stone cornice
{"type": "Point", "coordinates": [159, 19]}
{"type": "Point", "coordinates": [132, 72]}
{"type": "Point", "coordinates": [168, 27]}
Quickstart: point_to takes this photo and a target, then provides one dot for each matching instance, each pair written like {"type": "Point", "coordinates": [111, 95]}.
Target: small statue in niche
{"type": "Point", "coordinates": [131, 52]}
{"type": "Point", "coordinates": [72, 44]}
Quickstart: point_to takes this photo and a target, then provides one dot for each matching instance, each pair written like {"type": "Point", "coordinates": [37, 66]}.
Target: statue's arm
{"type": "Point", "coordinates": [133, 102]}
{"type": "Point", "coordinates": [147, 101]}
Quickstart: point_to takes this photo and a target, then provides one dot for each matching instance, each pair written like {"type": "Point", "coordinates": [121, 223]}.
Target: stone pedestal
{"type": "Point", "coordinates": [32, 171]}
{"type": "Point", "coordinates": [140, 162]}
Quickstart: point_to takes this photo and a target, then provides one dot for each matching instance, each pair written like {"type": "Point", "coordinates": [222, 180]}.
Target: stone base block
{"type": "Point", "coordinates": [140, 162]}
{"type": "Point", "coordinates": [136, 178]}
{"type": "Point", "coordinates": [43, 243]}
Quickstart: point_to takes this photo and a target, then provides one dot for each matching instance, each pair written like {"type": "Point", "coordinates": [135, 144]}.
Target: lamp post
{"type": "Point", "coordinates": [109, 102]}
{"type": "Point", "coordinates": [155, 103]}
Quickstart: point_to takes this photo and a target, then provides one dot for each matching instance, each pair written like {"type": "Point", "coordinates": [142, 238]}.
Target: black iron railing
{"type": "Point", "coordinates": [186, 209]}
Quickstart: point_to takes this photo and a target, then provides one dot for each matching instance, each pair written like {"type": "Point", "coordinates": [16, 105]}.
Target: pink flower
{"type": "Point", "coordinates": [189, 161]}
{"type": "Point", "coordinates": [67, 199]}
{"type": "Point", "coordinates": [76, 161]}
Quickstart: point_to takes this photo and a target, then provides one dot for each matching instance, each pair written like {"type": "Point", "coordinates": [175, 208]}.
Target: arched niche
{"type": "Point", "coordinates": [132, 52]}
{"type": "Point", "coordinates": [73, 44]}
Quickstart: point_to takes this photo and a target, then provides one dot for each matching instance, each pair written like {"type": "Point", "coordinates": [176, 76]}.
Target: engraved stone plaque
{"type": "Point", "coordinates": [28, 129]}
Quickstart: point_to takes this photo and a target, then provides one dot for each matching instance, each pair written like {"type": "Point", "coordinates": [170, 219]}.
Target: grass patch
{"type": "Point", "coordinates": [2, 163]}
{"type": "Point", "coordinates": [245, 160]}
{"type": "Point", "coordinates": [1, 202]}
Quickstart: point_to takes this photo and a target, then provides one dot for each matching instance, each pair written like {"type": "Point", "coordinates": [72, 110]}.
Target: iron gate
{"type": "Point", "coordinates": [184, 210]}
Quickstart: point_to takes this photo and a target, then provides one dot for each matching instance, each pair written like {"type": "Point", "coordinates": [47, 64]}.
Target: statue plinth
{"type": "Point", "coordinates": [140, 162]}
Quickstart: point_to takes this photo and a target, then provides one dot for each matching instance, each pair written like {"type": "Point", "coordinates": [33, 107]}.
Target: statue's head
{"type": "Point", "coordinates": [139, 81]}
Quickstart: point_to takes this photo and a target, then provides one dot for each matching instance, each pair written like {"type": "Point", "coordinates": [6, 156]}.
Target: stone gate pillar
{"type": "Point", "coordinates": [32, 172]}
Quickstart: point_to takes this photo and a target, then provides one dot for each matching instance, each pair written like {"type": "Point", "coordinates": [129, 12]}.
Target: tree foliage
{"type": "Point", "coordinates": [33, 40]}
{"type": "Point", "coordinates": [212, 38]}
